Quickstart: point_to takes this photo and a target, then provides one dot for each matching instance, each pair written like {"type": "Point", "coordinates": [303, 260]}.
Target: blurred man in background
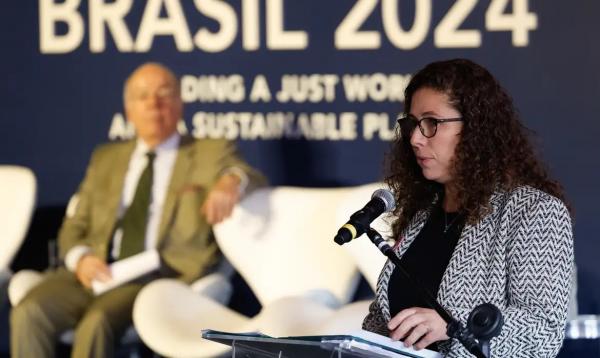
{"type": "Point", "coordinates": [160, 191]}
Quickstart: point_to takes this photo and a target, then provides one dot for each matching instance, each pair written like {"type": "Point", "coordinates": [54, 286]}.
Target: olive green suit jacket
{"type": "Point", "coordinates": [185, 240]}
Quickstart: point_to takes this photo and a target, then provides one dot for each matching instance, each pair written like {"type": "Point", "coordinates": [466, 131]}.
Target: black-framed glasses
{"type": "Point", "coordinates": [427, 125]}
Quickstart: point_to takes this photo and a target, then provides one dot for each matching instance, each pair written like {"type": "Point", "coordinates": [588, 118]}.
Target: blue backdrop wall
{"type": "Point", "coordinates": [309, 89]}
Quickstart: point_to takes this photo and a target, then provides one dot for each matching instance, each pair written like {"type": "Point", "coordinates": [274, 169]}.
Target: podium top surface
{"type": "Point", "coordinates": [357, 344]}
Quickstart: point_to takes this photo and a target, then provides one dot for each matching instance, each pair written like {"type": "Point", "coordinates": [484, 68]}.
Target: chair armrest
{"type": "Point", "coordinates": [169, 318]}
{"type": "Point", "coordinates": [21, 283]}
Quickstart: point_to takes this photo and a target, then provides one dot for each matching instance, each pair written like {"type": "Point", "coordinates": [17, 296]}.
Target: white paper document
{"type": "Point", "coordinates": [395, 345]}
{"type": "Point", "coordinates": [128, 269]}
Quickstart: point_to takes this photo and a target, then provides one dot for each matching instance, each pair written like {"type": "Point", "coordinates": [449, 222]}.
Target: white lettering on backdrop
{"type": "Point", "coordinates": [109, 18]}
{"type": "Point", "coordinates": [290, 88]}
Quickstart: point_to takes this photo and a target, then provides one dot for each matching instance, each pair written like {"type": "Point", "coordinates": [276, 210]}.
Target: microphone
{"type": "Point", "coordinates": [382, 201]}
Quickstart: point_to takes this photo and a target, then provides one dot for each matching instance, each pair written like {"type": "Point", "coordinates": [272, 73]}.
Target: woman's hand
{"type": "Point", "coordinates": [418, 326]}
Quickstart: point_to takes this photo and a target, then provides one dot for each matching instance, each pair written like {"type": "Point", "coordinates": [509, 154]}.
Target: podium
{"type": "Point", "coordinates": [358, 345]}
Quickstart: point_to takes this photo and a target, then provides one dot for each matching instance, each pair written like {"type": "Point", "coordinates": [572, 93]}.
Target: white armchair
{"type": "Point", "coordinates": [281, 242]}
{"type": "Point", "coordinates": [17, 200]}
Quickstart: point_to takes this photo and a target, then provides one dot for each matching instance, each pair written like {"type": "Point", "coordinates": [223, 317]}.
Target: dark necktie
{"type": "Point", "coordinates": [133, 223]}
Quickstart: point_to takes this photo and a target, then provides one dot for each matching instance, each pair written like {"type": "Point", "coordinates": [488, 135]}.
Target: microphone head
{"type": "Point", "coordinates": [387, 197]}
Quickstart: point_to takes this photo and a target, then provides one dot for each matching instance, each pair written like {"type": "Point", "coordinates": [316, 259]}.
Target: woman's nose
{"type": "Point", "coordinates": [417, 139]}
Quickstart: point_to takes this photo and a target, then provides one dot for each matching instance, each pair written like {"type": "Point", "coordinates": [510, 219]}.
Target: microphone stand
{"type": "Point", "coordinates": [484, 322]}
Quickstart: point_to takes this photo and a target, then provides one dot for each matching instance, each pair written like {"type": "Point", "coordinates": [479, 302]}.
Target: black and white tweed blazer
{"type": "Point", "coordinates": [519, 257]}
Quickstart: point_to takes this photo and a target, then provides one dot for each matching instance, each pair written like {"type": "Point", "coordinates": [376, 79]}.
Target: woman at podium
{"type": "Point", "coordinates": [478, 219]}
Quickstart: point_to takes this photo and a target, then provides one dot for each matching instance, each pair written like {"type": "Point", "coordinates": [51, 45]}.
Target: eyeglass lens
{"type": "Point", "coordinates": [427, 126]}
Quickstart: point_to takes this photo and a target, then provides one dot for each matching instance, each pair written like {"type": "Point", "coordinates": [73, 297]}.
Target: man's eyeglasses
{"type": "Point", "coordinates": [427, 125]}
{"type": "Point", "coordinates": [165, 93]}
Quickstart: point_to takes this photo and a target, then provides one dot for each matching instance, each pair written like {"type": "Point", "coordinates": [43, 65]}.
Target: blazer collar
{"type": "Point", "coordinates": [120, 164]}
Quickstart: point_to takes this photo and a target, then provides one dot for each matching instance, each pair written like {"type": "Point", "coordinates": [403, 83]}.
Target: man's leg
{"type": "Point", "coordinates": [104, 322]}
{"type": "Point", "coordinates": [53, 306]}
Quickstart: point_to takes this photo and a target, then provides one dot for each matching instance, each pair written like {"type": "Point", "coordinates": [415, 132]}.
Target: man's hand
{"type": "Point", "coordinates": [418, 326]}
{"type": "Point", "coordinates": [90, 268]}
{"type": "Point", "coordinates": [221, 199]}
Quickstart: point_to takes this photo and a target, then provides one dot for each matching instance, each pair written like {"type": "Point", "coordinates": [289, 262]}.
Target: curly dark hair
{"type": "Point", "coordinates": [493, 153]}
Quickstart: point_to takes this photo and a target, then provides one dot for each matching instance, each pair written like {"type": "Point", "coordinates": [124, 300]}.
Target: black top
{"type": "Point", "coordinates": [425, 260]}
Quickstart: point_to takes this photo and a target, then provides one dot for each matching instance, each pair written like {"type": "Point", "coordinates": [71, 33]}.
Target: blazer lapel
{"type": "Point", "coordinates": [178, 179]}
{"type": "Point", "coordinates": [472, 250]}
{"type": "Point", "coordinates": [118, 171]}
{"type": "Point", "coordinates": [408, 236]}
